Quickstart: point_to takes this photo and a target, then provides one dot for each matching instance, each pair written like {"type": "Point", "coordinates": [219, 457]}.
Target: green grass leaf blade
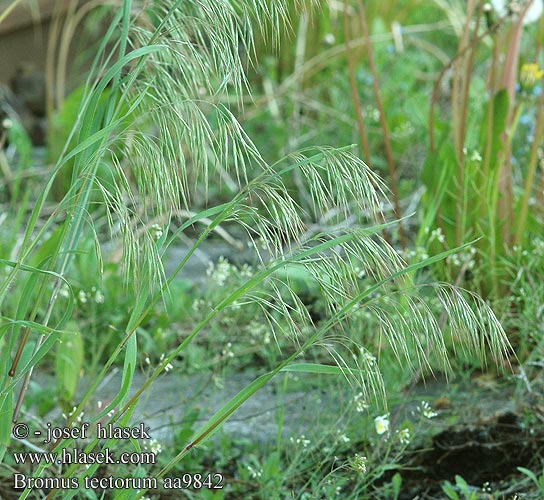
{"type": "Point", "coordinates": [318, 368]}
{"type": "Point", "coordinates": [6, 412]}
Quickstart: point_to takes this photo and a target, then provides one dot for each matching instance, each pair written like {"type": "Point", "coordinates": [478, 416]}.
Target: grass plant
{"type": "Point", "coordinates": [480, 192]}
{"type": "Point", "coordinates": [150, 131]}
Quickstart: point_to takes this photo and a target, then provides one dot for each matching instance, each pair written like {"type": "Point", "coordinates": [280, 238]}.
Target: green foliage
{"type": "Point", "coordinates": [461, 485]}
{"type": "Point", "coordinates": [485, 177]}
{"type": "Point", "coordinates": [537, 481]}
{"type": "Point", "coordinates": [144, 137]}
{"type": "Point", "coordinates": [69, 362]}
{"type": "Point", "coordinates": [61, 137]}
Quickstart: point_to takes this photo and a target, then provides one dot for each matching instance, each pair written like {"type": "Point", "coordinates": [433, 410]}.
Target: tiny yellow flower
{"type": "Point", "coordinates": [382, 424]}
{"type": "Point", "coordinates": [530, 74]}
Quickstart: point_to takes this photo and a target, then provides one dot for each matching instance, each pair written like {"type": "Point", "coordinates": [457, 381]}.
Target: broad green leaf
{"type": "Point", "coordinates": [501, 104]}
{"type": "Point", "coordinates": [69, 361]}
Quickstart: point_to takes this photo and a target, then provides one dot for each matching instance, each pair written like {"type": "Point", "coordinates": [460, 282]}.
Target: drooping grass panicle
{"type": "Point", "coordinates": [151, 130]}
{"type": "Point", "coordinates": [339, 179]}
{"type": "Point", "coordinates": [473, 324]}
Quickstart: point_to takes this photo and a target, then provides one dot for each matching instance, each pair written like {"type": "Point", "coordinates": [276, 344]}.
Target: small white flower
{"type": "Point", "coordinates": [99, 297]}
{"type": "Point", "coordinates": [343, 438]}
{"type": "Point", "coordinates": [404, 436]}
{"type": "Point", "coordinates": [381, 424]}
{"type": "Point", "coordinates": [156, 231]}
{"type": "Point", "coordinates": [367, 356]}
{"type": "Point", "coordinates": [220, 271]}
{"type": "Point", "coordinates": [64, 291]}
{"type": "Point", "coordinates": [198, 305]}
{"type": "Point", "coordinates": [360, 403]}
{"type": "Point", "coordinates": [254, 473]}
{"type": "Point", "coordinates": [476, 156]}
{"type": "Point", "coordinates": [155, 446]}
{"type": "Point", "coordinates": [372, 113]}
{"type": "Point", "coordinates": [359, 462]}
{"type": "Point", "coordinates": [301, 440]}
{"type": "Point", "coordinates": [425, 409]}
{"type": "Point", "coordinates": [246, 271]}
{"type": "Point", "coordinates": [329, 39]}
{"type": "Point", "coordinates": [437, 233]}
{"type": "Point", "coordinates": [228, 350]}
{"type": "Point", "coordinates": [168, 367]}
{"type": "Point", "coordinates": [82, 296]}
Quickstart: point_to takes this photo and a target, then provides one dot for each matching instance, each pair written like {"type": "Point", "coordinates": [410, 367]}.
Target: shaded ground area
{"type": "Point", "coordinates": [485, 454]}
{"type": "Point", "coordinates": [482, 434]}
{"type": "Point", "coordinates": [175, 401]}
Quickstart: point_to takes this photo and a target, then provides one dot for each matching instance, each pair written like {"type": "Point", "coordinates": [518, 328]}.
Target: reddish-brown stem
{"type": "Point", "coordinates": [354, 91]}
{"type": "Point", "coordinates": [383, 121]}
{"type": "Point", "coordinates": [460, 109]}
{"type": "Point", "coordinates": [19, 352]}
{"type": "Point", "coordinates": [357, 102]}
{"type": "Point", "coordinates": [445, 69]}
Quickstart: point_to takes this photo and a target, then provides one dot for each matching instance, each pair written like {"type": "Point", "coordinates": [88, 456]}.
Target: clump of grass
{"type": "Point", "coordinates": [480, 192]}
{"type": "Point", "coordinates": [148, 129]}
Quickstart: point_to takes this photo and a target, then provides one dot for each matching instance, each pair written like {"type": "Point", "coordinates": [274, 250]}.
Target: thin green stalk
{"type": "Point", "coordinates": [467, 72]}
{"type": "Point", "coordinates": [8, 10]}
{"type": "Point", "coordinates": [74, 232]}
{"type": "Point", "coordinates": [281, 411]}
{"type": "Point", "coordinates": [459, 100]}
{"type": "Point", "coordinates": [463, 180]}
{"type": "Point", "coordinates": [509, 78]}
{"type": "Point", "coordinates": [490, 124]}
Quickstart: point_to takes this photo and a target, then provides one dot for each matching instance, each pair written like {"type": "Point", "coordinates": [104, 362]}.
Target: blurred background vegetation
{"type": "Point", "coordinates": [442, 98]}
